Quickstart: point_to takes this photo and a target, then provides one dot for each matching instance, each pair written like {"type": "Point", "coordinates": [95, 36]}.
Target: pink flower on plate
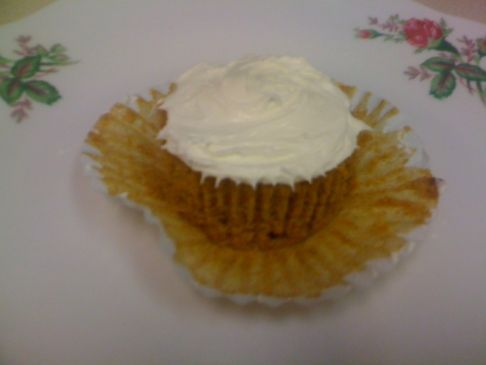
{"type": "Point", "coordinates": [367, 33]}
{"type": "Point", "coordinates": [421, 33]}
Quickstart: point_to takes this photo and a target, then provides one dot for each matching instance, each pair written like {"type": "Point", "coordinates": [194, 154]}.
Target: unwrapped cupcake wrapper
{"type": "Point", "coordinates": [384, 216]}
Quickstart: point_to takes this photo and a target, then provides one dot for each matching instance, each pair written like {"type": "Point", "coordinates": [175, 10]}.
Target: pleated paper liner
{"type": "Point", "coordinates": [391, 200]}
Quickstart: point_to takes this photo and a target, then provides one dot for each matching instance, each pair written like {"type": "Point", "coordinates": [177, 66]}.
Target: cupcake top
{"type": "Point", "coordinates": [259, 120]}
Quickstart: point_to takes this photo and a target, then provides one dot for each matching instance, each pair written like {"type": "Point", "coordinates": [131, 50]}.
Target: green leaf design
{"type": "Point", "coordinates": [60, 58]}
{"type": "Point", "coordinates": [41, 50]}
{"type": "Point", "coordinates": [11, 89]}
{"type": "Point", "coordinates": [482, 93]}
{"type": "Point", "coordinates": [470, 72]}
{"type": "Point", "coordinates": [447, 31]}
{"type": "Point", "coordinates": [443, 45]}
{"type": "Point", "coordinates": [26, 67]}
{"type": "Point", "coordinates": [42, 91]}
{"type": "Point", "coordinates": [442, 85]}
{"type": "Point", "coordinates": [4, 60]}
{"type": "Point", "coordinates": [438, 64]}
{"type": "Point", "coordinates": [58, 48]}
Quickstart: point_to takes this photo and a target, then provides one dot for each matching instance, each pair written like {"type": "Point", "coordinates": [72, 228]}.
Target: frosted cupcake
{"type": "Point", "coordinates": [259, 151]}
{"type": "Point", "coordinates": [268, 183]}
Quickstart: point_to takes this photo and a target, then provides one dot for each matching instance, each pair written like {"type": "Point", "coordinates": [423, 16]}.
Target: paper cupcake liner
{"type": "Point", "coordinates": [392, 199]}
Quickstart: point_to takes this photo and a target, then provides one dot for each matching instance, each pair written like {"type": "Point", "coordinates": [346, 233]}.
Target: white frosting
{"type": "Point", "coordinates": [259, 119]}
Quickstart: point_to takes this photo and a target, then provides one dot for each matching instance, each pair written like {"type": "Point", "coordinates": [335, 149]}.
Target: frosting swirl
{"type": "Point", "coordinates": [259, 119]}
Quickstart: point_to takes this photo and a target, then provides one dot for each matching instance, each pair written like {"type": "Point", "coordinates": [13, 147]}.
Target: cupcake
{"type": "Point", "coordinates": [268, 182]}
{"type": "Point", "coordinates": [258, 152]}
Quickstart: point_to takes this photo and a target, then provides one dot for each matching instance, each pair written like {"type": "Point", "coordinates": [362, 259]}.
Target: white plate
{"type": "Point", "coordinates": [83, 280]}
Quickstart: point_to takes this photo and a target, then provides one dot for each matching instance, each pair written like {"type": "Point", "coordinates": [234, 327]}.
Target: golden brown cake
{"type": "Point", "coordinates": [242, 216]}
